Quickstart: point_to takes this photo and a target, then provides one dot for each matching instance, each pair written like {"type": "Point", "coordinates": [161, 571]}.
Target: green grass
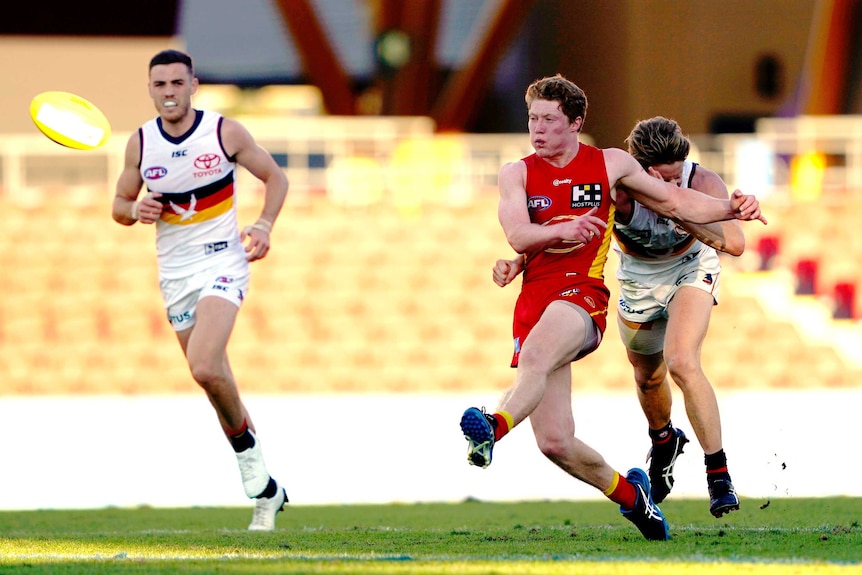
{"type": "Point", "coordinates": [787, 536]}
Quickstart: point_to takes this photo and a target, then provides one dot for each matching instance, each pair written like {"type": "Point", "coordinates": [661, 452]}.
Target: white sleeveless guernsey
{"type": "Point", "coordinates": [195, 176]}
{"type": "Point", "coordinates": [650, 242]}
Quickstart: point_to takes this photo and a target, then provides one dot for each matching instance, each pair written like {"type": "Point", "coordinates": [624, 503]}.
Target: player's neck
{"type": "Point", "coordinates": [179, 126]}
{"type": "Point", "coordinates": [562, 157]}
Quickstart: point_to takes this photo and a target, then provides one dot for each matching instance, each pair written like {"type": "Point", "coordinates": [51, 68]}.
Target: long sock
{"type": "Point", "coordinates": [663, 435]}
{"type": "Point", "coordinates": [621, 492]}
{"type": "Point", "coordinates": [270, 490]}
{"type": "Point", "coordinates": [716, 466]}
{"type": "Point", "coordinates": [504, 425]}
{"type": "Point", "coordinates": [241, 439]}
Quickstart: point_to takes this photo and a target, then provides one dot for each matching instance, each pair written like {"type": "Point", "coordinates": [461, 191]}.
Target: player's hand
{"type": "Point", "coordinates": [149, 209]}
{"type": "Point", "coordinates": [745, 207]}
{"type": "Point", "coordinates": [584, 228]}
{"type": "Point", "coordinates": [258, 241]}
{"type": "Point", "coordinates": [507, 270]}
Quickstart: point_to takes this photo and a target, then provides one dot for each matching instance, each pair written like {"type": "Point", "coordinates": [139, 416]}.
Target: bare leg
{"type": "Point", "coordinates": [654, 393]}
{"type": "Point", "coordinates": [543, 391]}
{"type": "Point", "coordinates": [205, 346]}
{"type": "Point", "coordinates": [554, 428]}
{"type": "Point", "coordinates": [688, 314]}
{"type": "Point", "coordinates": [553, 343]}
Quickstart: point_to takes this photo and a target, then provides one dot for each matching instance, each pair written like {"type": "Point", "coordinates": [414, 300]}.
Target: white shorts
{"type": "Point", "coordinates": [227, 280]}
{"type": "Point", "coordinates": [642, 311]}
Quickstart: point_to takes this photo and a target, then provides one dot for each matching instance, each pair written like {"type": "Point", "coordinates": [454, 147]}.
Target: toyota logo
{"type": "Point", "coordinates": [207, 161]}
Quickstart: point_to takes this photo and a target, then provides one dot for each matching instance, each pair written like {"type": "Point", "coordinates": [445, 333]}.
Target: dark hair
{"type": "Point", "coordinates": [658, 141]}
{"type": "Point", "coordinates": [172, 57]}
{"type": "Point", "coordinates": [573, 100]}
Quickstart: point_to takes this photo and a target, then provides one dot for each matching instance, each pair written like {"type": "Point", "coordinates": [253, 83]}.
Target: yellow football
{"type": "Point", "coordinates": [70, 120]}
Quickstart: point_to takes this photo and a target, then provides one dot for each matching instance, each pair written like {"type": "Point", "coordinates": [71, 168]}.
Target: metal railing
{"type": "Point", "coordinates": [362, 160]}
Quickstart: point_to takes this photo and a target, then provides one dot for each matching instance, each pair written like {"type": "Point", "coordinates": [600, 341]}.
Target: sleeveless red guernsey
{"type": "Point", "coordinates": [569, 271]}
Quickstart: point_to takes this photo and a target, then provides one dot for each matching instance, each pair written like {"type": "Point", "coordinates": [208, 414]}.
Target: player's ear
{"type": "Point", "coordinates": [195, 85]}
{"type": "Point", "coordinates": [577, 123]}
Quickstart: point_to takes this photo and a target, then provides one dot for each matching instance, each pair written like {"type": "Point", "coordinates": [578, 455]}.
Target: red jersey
{"type": "Point", "coordinates": [570, 270]}
{"type": "Point", "coordinates": [557, 194]}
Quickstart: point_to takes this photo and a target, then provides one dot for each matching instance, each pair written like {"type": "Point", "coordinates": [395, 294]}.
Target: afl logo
{"type": "Point", "coordinates": [207, 161]}
{"type": "Point", "coordinates": [155, 173]}
{"type": "Point", "coordinates": [538, 203]}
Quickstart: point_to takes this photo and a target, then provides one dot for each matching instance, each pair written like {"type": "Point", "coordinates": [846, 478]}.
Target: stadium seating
{"type": "Point", "coordinates": [351, 300]}
{"type": "Point", "coordinates": [370, 289]}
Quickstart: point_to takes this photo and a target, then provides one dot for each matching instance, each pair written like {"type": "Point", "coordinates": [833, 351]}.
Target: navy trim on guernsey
{"type": "Point", "coordinates": [180, 139]}
{"type": "Point", "coordinates": [691, 175]}
{"type": "Point", "coordinates": [230, 158]}
{"type": "Point", "coordinates": [141, 143]}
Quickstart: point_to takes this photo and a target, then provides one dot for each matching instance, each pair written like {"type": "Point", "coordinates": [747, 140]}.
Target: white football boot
{"type": "Point", "coordinates": [265, 510]}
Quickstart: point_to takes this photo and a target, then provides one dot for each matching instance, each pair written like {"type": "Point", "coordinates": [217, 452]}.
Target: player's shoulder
{"type": "Point", "coordinates": [512, 174]}
{"type": "Point", "coordinates": [707, 181]}
{"type": "Point", "coordinates": [619, 164]}
{"type": "Point", "coordinates": [234, 135]}
{"type": "Point", "coordinates": [232, 127]}
{"type": "Point", "coordinates": [513, 168]}
{"type": "Point", "coordinates": [620, 159]}
{"type": "Point", "coordinates": [133, 143]}
{"type": "Point", "coordinates": [616, 154]}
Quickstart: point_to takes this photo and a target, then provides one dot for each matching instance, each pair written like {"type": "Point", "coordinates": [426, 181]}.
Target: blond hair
{"type": "Point", "coordinates": [658, 141]}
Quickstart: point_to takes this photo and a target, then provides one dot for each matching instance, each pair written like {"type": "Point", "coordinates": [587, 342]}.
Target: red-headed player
{"type": "Point", "coordinates": [557, 207]}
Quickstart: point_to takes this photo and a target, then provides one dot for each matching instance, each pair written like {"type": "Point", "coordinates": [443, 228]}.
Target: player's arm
{"type": "Point", "coordinates": [523, 235]}
{"type": "Point", "coordinates": [680, 204]}
{"type": "Point", "coordinates": [726, 236]}
{"type": "Point", "coordinates": [251, 156]}
{"type": "Point", "coordinates": [126, 209]}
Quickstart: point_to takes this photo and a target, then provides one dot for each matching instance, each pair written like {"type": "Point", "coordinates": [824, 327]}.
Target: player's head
{"type": "Point", "coordinates": [572, 100]}
{"type": "Point", "coordinates": [172, 57]}
{"type": "Point", "coordinates": [172, 84]}
{"type": "Point", "coordinates": [658, 141]}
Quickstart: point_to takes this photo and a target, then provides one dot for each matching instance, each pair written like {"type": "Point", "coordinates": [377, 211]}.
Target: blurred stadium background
{"type": "Point", "coordinates": [391, 120]}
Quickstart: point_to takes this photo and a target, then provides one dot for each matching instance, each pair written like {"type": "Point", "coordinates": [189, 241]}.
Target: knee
{"type": "Point", "coordinates": [650, 379]}
{"type": "Point", "coordinates": [204, 373]}
{"type": "Point", "coordinates": [531, 359]}
{"type": "Point", "coordinates": [683, 367]}
{"type": "Point", "coordinates": [555, 446]}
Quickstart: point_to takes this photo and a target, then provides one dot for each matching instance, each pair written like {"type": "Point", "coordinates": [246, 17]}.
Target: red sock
{"type": "Point", "coordinates": [504, 424]}
{"type": "Point", "coordinates": [622, 492]}
{"type": "Point", "coordinates": [237, 432]}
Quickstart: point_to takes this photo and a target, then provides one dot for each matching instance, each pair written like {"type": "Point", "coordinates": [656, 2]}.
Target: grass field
{"type": "Point", "coordinates": [786, 536]}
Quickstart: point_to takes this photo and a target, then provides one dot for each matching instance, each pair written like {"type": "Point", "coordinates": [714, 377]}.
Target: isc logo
{"type": "Point", "coordinates": [539, 203]}
{"type": "Point", "coordinates": [155, 173]}
{"type": "Point", "coordinates": [179, 153]}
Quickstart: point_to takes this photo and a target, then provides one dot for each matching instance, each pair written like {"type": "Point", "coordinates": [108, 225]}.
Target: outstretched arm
{"type": "Point", "coordinates": [680, 204]}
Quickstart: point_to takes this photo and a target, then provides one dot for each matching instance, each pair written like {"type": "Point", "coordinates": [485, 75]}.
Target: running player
{"type": "Point", "coordinates": [187, 158]}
